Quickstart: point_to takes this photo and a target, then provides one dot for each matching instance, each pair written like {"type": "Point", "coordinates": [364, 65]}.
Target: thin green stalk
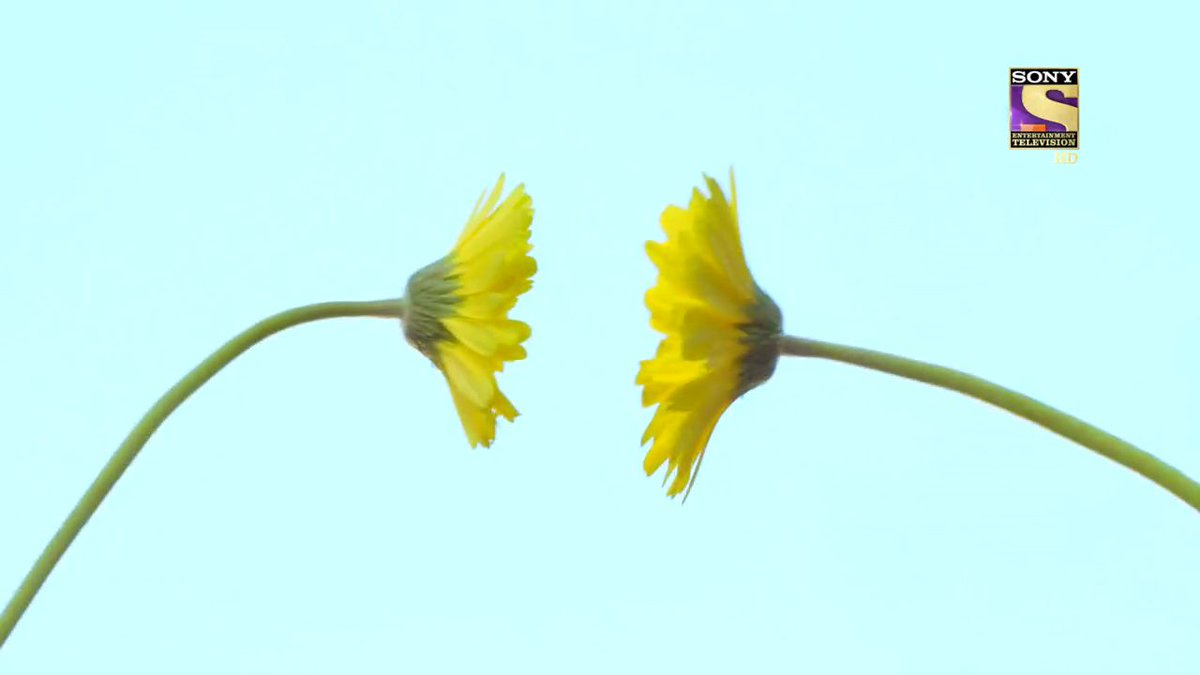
{"type": "Point", "coordinates": [137, 438]}
{"type": "Point", "coordinates": [1037, 412]}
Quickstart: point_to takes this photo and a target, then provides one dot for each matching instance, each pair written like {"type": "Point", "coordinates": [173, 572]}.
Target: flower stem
{"type": "Point", "coordinates": [1037, 412]}
{"type": "Point", "coordinates": [171, 400]}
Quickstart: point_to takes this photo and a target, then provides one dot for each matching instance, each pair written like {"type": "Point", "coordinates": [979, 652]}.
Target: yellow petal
{"type": "Point", "coordinates": [479, 424]}
{"type": "Point", "coordinates": [474, 334]}
{"type": "Point", "coordinates": [508, 226]}
{"type": "Point", "coordinates": [496, 272]}
{"type": "Point", "coordinates": [486, 305]}
{"type": "Point", "coordinates": [468, 373]}
{"type": "Point", "coordinates": [479, 213]}
{"type": "Point", "coordinates": [505, 407]}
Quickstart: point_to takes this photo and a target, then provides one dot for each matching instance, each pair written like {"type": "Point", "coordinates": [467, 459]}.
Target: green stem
{"type": "Point", "coordinates": [1037, 412]}
{"type": "Point", "coordinates": [137, 438]}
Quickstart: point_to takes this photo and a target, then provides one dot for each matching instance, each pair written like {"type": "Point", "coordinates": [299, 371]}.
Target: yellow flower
{"type": "Point", "coordinates": [721, 332]}
{"type": "Point", "coordinates": [456, 309]}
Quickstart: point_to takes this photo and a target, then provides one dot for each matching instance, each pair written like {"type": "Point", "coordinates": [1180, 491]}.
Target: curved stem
{"type": "Point", "coordinates": [1037, 412]}
{"type": "Point", "coordinates": [137, 438]}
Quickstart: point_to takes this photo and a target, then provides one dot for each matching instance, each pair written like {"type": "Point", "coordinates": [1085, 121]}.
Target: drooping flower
{"type": "Point", "coordinates": [457, 308]}
{"type": "Point", "coordinates": [721, 329]}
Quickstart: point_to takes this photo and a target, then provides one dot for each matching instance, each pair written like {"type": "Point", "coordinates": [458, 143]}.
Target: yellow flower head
{"type": "Point", "coordinates": [456, 309]}
{"type": "Point", "coordinates": [721, 332]}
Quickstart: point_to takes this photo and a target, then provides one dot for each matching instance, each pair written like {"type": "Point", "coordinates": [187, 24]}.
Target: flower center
{"type": "Point", "coordinates": [430, 295]}
{"type": "Point", "coordinates": [761, 337]}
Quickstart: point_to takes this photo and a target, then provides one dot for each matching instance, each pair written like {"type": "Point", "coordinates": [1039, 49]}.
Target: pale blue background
{"type": "Point", "coordinates": [170, 175]}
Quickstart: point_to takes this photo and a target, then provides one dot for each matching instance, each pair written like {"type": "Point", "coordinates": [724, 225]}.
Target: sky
{"type": "Point", "coordinates": [171, 173]}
